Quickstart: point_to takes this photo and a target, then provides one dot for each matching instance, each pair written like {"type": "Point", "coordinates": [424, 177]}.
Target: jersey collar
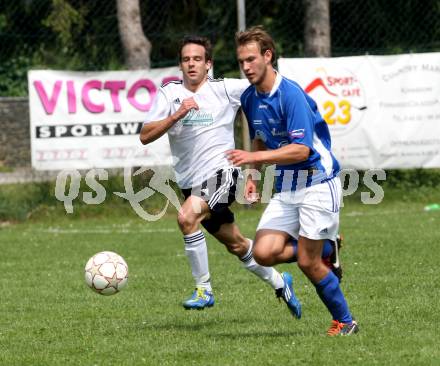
{"type": "Point", "coordinates": [275, 86]}
{"type": "Point", "coordinates": [276, 83]}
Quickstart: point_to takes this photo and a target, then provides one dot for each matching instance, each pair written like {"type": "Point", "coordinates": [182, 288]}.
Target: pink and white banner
{"type": "Point", "coordinates": [84, 120]}
{"type": "Point", "coordinates": [382, 111]}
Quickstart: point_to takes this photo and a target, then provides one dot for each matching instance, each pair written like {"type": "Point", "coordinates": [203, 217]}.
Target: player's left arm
{"type": "Point", "coordinates": [289, 154]}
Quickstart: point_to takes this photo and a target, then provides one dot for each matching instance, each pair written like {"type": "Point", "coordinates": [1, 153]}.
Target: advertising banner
{"type": "Point", "coordinates": [84, 120]}
{"type": "Point", "coordinates": [382, 111]}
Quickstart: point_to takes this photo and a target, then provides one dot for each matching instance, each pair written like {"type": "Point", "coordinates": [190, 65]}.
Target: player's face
{"type": "Point", "coordinates": [193, 64]}
{"type": "Point", "coordinates": [253, 63]}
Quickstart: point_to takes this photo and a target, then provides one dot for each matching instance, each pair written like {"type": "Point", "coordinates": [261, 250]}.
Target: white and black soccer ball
{"type": "Point", "coordinates": [106, 273]}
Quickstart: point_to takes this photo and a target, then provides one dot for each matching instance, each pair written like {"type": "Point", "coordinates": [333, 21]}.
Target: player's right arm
{"type": "Point", "coordinates": [154, 129]}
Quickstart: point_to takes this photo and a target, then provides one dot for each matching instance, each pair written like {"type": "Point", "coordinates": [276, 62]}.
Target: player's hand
{"type": "Point", "coordinates": [186, 105]}
{"type": "Point", "coordinates": [240, 157]}
{"type": "Point", "coordinates": [250, 191]}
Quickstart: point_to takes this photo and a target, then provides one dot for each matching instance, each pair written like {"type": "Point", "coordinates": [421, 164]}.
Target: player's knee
{"type": "Point", "coordinates": [262, 256]}
{"type": "Point", "coordinates": [186, 221]}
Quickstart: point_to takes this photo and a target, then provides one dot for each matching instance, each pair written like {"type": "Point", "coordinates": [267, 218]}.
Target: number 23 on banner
{"type": "Point", "coordinates": [342, 110]}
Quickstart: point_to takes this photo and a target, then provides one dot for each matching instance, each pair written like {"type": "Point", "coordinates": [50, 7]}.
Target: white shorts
{"type": "Point", "coordinates": [311, 212]}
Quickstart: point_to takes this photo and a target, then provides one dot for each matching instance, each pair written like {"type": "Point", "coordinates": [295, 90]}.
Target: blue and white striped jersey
{"type": "Point", "coordinates": [287, 115]}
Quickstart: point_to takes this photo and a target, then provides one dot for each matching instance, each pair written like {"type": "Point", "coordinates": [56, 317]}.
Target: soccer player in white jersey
{"type": "Point", "coordinates": [288, 130]}
{"type": "Point", "coordinates": [198, 114]}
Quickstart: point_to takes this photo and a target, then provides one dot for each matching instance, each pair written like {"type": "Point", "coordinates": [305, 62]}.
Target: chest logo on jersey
{"type": "Point", "coordinates": [197, 118]}
{"type": "Point", "coordinates": [297, 134]}
{"type": "Point", "coordinates": [274, 121]}
{"type": "Point", "coordinates": [263, 106]}
{"type": "Point", "coordinates": [274, 132]}
{"type": "Point", "coordinates": [176, 101]}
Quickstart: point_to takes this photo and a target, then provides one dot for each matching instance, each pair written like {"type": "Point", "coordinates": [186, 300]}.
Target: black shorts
{"type": "Point", "coordinates": [219, 192]}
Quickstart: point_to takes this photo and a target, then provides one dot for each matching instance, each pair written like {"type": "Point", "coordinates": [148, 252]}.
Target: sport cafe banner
{"type": "Point", "coordinates": [382, 111]}
{"type": "Point", "coordinates": [82, 120]}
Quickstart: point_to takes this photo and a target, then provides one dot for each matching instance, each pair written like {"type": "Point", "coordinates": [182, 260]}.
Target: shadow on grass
{"type": "Point", "coordinates": [192, 326]}
{"type": "Point", "coordinates": [257, 334]}
{"type": "Point", "coordinates": [215, 329]}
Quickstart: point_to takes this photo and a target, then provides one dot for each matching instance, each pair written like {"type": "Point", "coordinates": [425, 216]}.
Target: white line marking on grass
{"type": "Point", "coordinates": [379, 213]}
{"type": "Point", "coordinates": [103, 231]}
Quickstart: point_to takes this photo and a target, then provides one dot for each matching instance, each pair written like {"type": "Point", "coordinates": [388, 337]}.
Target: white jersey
{"type": "Point", "coordinates": [199, 140]}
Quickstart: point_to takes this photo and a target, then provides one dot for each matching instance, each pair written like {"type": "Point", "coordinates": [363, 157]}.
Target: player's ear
{"type": "Point", "coordinates": [208, 65]}
{"type": "Point", "coordinates": [268, 56]}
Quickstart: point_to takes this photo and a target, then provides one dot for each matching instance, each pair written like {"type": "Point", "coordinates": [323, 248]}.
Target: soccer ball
{"type": "Point", "coordinates": [106, 273]}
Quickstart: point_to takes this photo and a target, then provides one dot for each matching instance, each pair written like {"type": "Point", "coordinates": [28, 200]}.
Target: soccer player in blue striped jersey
{"type": "Point", "coordinates": [287, 129]}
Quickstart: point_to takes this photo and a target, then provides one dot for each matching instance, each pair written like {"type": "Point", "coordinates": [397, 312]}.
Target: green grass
{"type": "Point", "coordinates": [49, 316]}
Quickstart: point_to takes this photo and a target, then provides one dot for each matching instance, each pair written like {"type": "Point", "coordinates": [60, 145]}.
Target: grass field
{"type": "Point", "coordinates": [50, 317]}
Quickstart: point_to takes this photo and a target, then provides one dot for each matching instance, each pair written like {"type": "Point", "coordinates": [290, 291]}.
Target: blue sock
{"type": "Point", "coordinates": [331, 295]}
{"type": "Point", "coordinates": [327, 249]}
{"type": "Point", "coordinates": [294, 244]}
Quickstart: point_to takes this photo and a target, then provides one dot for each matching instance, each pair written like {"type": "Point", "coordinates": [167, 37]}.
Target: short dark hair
{"type": "Point", "coordinates": [258, 35]}
{"type": "Point", "coordinates": [202, 41]}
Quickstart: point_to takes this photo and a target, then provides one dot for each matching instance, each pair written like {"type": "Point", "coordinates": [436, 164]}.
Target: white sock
{"type": "Point", "coordinates": [267, 274]}
{"type": "Point", "coordinates": [197, 253]}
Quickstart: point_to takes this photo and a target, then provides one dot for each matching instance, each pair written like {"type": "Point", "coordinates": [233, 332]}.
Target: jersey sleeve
{"type": "Point", "coordinates": [300, 119]}
{"type": "Point", "coordinates": [234, 90]}
{"type": "Point", "coordinates": [160, 109]}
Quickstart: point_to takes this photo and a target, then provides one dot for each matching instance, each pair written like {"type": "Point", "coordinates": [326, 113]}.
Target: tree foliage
{"type": "Point", "coordinates": [83, 34]}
